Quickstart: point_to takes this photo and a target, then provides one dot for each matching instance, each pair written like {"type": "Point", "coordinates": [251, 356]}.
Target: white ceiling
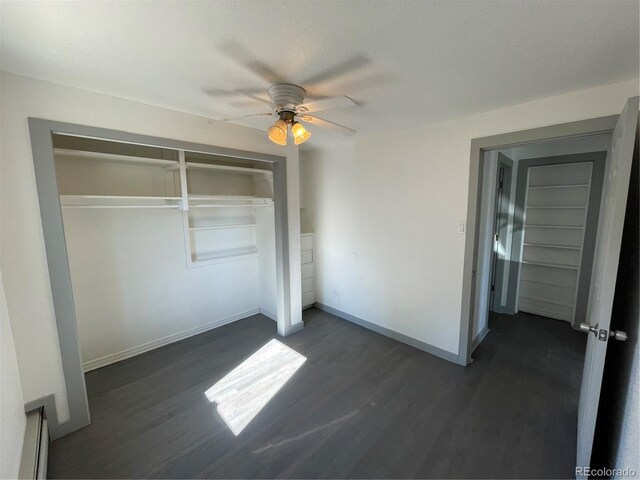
{"type": "Point", "coordinates": [404, 61]}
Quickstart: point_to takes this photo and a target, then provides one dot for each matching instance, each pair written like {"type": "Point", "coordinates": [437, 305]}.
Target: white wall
{"type": "Point", "coordinates": [22, 254]}
{"type": "Point", "coordinates": [132, 288]}
{"type": "Point", "coordinates": [12, 416]}
{"type": "Point", "coordinates": [385, 210]}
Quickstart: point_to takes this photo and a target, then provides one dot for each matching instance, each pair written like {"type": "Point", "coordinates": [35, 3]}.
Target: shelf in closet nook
{"type": "Point", "coordinates": [118, 201]}
{"type": "Point", "coordinates": [218, 212]}
{"type": "Point", "coordinates": [116, 158]}
{"type": "Point", "coordinates": [206, 201]}
{"type": "Point", "coordinates": [208, 258]}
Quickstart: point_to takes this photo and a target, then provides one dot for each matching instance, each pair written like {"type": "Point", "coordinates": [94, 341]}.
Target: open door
{"type": "Point", "coordinates": [616, 185]}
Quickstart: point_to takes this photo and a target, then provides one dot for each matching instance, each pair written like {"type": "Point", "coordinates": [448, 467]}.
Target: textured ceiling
{"type": "Point", "coordinates": [418, 62]}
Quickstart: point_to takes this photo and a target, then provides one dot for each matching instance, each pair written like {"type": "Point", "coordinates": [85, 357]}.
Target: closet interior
{"type": "Point", "coordinates": [556, 207]}
{"type": "Point", "coordinates": [162, 243]}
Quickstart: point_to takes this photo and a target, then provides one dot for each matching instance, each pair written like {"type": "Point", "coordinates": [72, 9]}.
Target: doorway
{"type": "Point", "coordinates": [539, 211]}
{"type": "Point", "coordinates": [622, 131]}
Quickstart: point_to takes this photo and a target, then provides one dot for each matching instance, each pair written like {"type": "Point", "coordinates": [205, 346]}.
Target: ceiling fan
{"type": "Point", "coordinates": [287, 103]}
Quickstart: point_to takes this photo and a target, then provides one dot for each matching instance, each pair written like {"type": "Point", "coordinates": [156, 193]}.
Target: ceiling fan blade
{"type": "Point", "coordinates": [327, 104]}
{"type": "Point", "coordinates": [252, 96]}
{"type": "Point", "coordinates": [349, 65]}
{"type": "Point", "coordinates": [249, 93]}
{"type": "Point", "coordinates": [374, 80]}
{"type": "Point", "coordinates": [243, 57]}
{"type": "Point", "coordinates": [320, 122]}
{"type": "Point", "coordinates": [221, 92]}
{"type": "Point", "coordinates": [232, 119]}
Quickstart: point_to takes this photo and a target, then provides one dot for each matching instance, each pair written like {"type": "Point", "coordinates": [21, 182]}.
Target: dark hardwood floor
{"type": "Point", "coordinates": [362, 406]}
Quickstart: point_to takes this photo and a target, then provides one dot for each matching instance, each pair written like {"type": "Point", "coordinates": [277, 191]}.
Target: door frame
{"type": "Point", "coordinates": [41, 132]}
{"type": "Point", "coordinates": [562, 131]}
{"type": "Point", "coordinates": [497, 278]}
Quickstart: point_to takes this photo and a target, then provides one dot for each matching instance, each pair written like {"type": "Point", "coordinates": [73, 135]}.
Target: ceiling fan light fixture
{"type": "Point", "coordinates": [278, 132]}
{"type": "Point", "coordinates": [300, 134]}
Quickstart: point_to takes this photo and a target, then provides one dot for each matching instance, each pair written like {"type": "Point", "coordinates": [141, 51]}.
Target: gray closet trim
{"type": "Point", "coordinates": [49, 404]}
{"type": "Point", "coordinates": [591, 227]}
{"type": "Point", "coordinates": [507, 164]}
{"type": "Point", "coordinates": [42, 132]}
{"type": "Point", "coordinates": [478, 145]}
{"type": "Point", "coordinates": [400, 337]}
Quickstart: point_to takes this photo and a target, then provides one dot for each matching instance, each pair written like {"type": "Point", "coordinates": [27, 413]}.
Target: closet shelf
{"type": "Point", "coordinates": [550, 264]}
{"type": "Point", "coordinates": [548, 284]}
{"type": "Point", "coordinates": [225, 201]}
{"type": "Point", "coordinates": [547, 245]}
{"type": "Point", "coordinates": [111, 157]}
{"type": "Point", "coordinates": [558, 207]}
{"type": "Point", "coordinates": [118, 201]}
{"type": "Point", "coordinates": [563, 227]}
{"type": "Point", "coordinates": [222, 256]}
{"type": "Point", "coordinates": [545, 300]}
{"type": "Point", "coordinates": [222, 168]}
{"type": "Point", "coordinates": [573, 185]}
{"type": "Point", "coordinates": [216, 227]}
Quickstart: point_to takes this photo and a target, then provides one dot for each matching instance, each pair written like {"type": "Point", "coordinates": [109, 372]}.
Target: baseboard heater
{"type": "Point", "coordinates": [36, 446]}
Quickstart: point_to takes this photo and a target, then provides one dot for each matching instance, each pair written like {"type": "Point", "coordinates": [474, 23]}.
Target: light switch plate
{"type": "Point", "coordinates": [461, 228]}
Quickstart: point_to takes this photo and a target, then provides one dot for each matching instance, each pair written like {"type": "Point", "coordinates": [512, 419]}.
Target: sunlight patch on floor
{"type": "Point", "coordinates": [244, 391]}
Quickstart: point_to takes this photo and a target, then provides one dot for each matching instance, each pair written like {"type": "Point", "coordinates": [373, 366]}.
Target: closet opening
{"type": "Point", "coordinates": [153, 241]}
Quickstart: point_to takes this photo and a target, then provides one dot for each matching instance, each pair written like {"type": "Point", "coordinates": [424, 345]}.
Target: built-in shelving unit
{"type": "Point", "coordinates": [556, 205]}
{"type": "Point", "coordinates": [217, 200]}
{"type": "Point", "coordinates": [307, 255]}
{"type": "Point", "coordinates": [220, 222]}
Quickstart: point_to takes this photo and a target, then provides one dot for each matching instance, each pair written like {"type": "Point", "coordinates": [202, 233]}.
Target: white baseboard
{"type": "Point", "coordinates": [269, 314]}
{"type": "Point", "coordinates": [145, 347]}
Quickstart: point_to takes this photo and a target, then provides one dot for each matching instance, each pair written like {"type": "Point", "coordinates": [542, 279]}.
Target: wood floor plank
{"type": "Point", "coordinates": [361, 406]}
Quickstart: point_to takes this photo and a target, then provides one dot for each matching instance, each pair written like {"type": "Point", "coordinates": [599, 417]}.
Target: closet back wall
{"type": "Point", "coordinates": [132, 289]}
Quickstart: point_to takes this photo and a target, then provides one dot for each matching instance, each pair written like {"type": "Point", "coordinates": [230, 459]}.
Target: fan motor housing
{"type": "Point", "coordinates": [286, 96]}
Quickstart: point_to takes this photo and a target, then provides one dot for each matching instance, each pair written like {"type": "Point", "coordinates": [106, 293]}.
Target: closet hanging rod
{"type": "Point", "coordinates": [121, 206]}
{"type": "Point", "coordinates": [228, 168]}
{"type": "Point", "coordinates": [217, 227]}
{"type": "Point", "coordinates": [116, 197]}
{"type": "Point", "coordinates": [231, 206]}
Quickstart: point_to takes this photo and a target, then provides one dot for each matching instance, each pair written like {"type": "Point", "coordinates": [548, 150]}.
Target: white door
{"type": "Point", "coordinates": [607, 253]}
